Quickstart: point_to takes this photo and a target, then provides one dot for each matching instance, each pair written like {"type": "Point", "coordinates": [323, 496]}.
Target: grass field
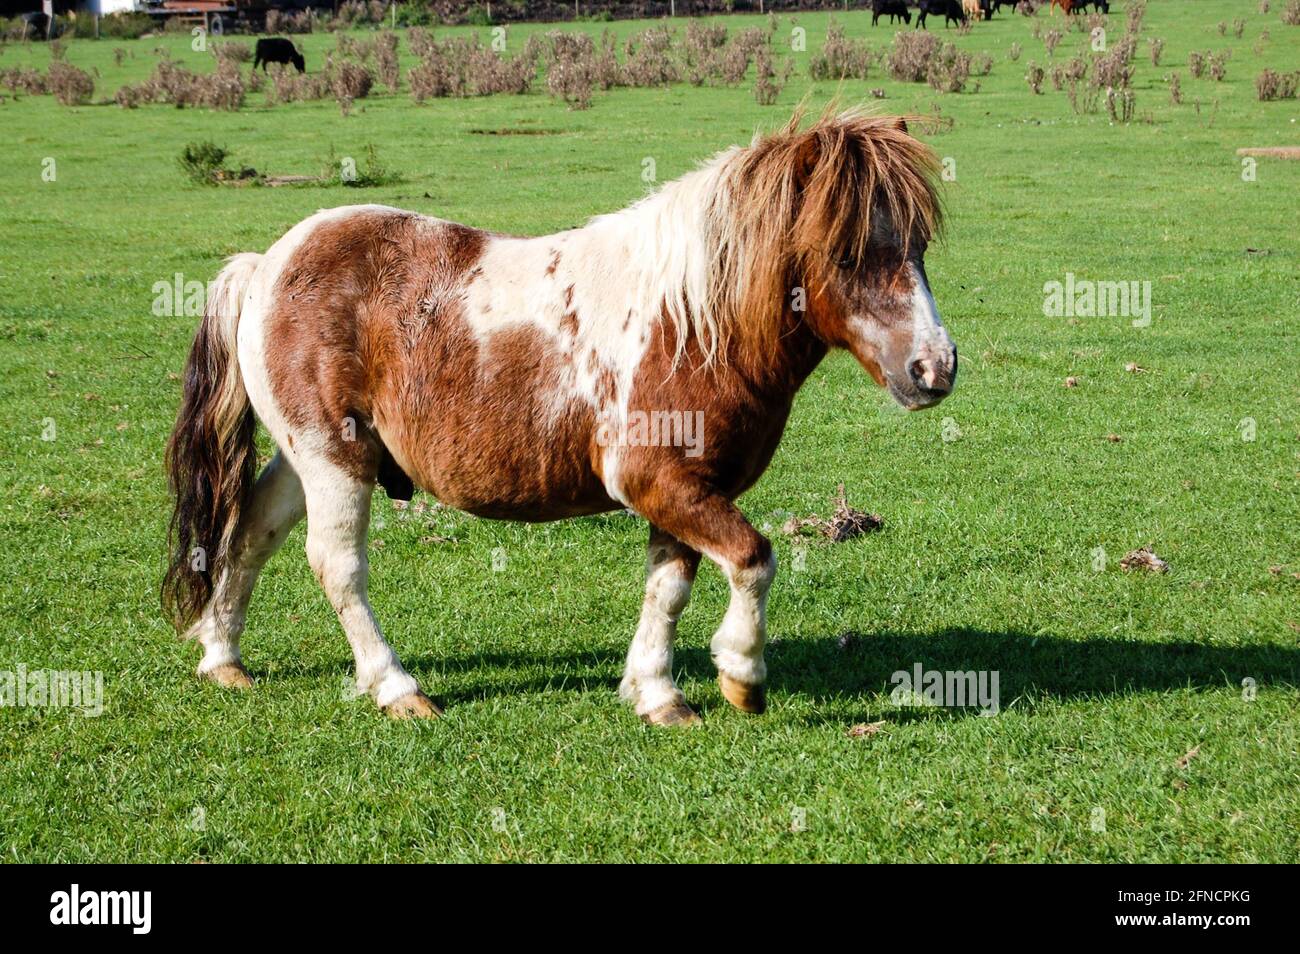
{"type": "Point", "coordinates": [1124, 731]}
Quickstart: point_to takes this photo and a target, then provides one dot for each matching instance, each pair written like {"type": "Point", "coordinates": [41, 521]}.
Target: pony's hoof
{"type": "Point", "coordinates": [413, 705]}
{"type": "Point", "coordinates": [744, 697]}
{"type": "Point", "coordinates": [231, 675]}
{"type": "Point", "coordinates": [675, 714]}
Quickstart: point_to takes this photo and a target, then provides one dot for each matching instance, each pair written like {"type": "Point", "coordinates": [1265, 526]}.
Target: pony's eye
{"type": "Point", "coordinates": [847, 263]}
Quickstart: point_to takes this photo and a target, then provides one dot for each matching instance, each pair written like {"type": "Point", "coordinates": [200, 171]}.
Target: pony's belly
{"type": "Point", "coordinates": [540, 511]}
{"type": "Point", "coordinates": [497, 496]}
{"type": "Point", "coordinates": [522, 476]}
{"type": "Point", "coordinates": [494, 424]}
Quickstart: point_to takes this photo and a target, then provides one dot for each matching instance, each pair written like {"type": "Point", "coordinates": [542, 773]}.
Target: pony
{"type": "Point", "coordinates": [512, 378]}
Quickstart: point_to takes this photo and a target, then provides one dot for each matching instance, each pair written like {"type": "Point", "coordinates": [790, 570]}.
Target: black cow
{"type": "Point", "coordinates": [951, 10]}
{"type": "Point", "coordinates": [999, 4]}
{"type": "Point", "coordinates": [36, 26]}
{"type": "Point", "coordinates": [890, 8]}
{"type": "Point", "coordinates": [277, 50]}
{"type": "Point", "coordinates": [1101, 6]}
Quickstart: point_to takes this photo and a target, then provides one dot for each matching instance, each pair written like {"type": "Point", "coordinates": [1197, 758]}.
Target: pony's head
{"type": "Point", "coordinates": [834, 222]}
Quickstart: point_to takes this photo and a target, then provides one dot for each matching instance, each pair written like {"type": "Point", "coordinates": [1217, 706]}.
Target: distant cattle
{"type": "Point", "coordinates": [999, 4]}
{"type": "Point", "coordinates": [950, 10]}
{"type": "Point", "coordinates": [36, 26]}
{"type": "Point", "coordinates": [277, 50]}
{"type": "Point", "coordinates": [894, 9]}
{"type": "Point", "coordinates": [1101, 6]}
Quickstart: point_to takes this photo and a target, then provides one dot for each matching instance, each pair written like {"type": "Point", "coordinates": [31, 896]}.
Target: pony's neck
{"type": "Point", "coordinates": [782, 370]}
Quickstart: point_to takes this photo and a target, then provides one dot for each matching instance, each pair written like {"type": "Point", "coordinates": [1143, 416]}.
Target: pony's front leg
{"type": "Point", "coordinates": [648, 677]}
{"type": "Point", "coordinates": [738, 644]}
{"type": "Point", "coordinates": [709, 523]}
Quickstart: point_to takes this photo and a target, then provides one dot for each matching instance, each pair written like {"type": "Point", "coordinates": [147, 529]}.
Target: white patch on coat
{"type": "Point", "coordinates": [930, 339]}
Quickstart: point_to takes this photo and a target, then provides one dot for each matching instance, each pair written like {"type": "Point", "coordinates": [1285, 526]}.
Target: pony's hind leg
{"type": "Point", "coordinates": [275, 507]}
{"type": "Point", "coordinates": [338, 518]}
{"type": "Point", "coordinates": [708, 522]}
{"type": "Point", "coordinates": [648, 677]}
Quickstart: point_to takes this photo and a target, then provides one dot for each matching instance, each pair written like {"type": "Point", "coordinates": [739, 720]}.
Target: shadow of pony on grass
{"type": "Point", "coordinates": [856, 668]}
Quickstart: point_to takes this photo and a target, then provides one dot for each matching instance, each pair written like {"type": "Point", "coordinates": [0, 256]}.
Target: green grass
{"type": "Point", "coordinates": [1107, 678]}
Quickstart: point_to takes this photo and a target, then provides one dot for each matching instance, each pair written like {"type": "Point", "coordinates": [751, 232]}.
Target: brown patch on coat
{"type": "Point", "coordinates": [490, 432]}
{"type": "Point", "coordinates": [606, 387]}
{"type": "Point", "coordinates": [347, 297]}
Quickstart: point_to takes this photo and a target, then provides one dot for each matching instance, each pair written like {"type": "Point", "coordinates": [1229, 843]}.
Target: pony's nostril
{"type": "Point", "coordinates": [930, 376]}
{"type": "Point", "coordinates": [917, 370]}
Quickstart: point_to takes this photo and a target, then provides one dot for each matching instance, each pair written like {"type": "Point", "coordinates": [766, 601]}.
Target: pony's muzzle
{"type": "Point", "coordinates": [933, 375]}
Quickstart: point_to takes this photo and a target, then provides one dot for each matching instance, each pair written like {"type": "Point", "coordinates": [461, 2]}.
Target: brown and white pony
{"type": "Point", "coordinates": [513, 378]}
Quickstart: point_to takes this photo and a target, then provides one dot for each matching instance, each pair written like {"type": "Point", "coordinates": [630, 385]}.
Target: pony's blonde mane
{"type": "Point", "coordinates": [718, 250]}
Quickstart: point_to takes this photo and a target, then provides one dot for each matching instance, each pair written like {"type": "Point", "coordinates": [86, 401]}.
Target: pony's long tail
{"type": "Point", "coordinates": [211, 458]}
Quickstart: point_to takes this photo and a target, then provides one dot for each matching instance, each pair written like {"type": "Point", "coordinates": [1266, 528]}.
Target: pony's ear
{"type": "Point", "coordinates": [900, 124]}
